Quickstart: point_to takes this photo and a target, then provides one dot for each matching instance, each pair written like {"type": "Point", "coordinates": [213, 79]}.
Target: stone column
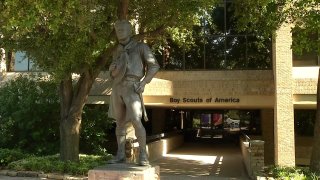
{"type": "Point", "coordinates": [283, 108]}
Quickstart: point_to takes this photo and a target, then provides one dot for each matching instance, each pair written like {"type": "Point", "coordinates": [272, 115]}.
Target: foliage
{"type": "Point", "coordinates": [305, 14]}
{"type": "Point", "coordinates": [266, 16]}
{"type": "Point", "coordinates": [9, 155]}
{"type": "Point", "coordinates": [56, 34]}
{"type": "Point", "coordinates": [62, 37]}
{"type": "Point", "coordinates": [76, 36]}
{"type": "Point", "coordinates": [289, 173]}
{"type": "Point", "coordinates": [29, 115]}
{"type": "Point", "coordinates": [215, 43]}
{"type": "Point", "coordinates": [52, 164]}
{"type": "Point", "coordinates": [95, 128]}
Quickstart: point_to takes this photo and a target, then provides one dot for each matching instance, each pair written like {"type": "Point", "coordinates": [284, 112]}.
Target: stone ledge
{"type": "Point", "coordinates": [264, 178]}
{"type": "Point", "coordinates": [125, 171]}
{"type": "Point", "coordinates": [54, 176]}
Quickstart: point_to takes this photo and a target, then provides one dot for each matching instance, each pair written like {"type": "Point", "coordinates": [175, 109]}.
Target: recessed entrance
{"type": "Point", "coordinates": [209, 124]}
{"type": "Point", "coordinates": [211, 145]}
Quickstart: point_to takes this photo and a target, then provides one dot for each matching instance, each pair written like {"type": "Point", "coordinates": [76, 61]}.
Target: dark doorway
{"type": "Point", "coordinates": [213, 125]}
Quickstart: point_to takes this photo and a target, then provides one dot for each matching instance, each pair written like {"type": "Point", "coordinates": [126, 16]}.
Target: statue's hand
{"type": "Point", "coordinates": [139, 87]}
{"type": "Point", "coordinates": [112, 67]}
{"type": "Point", "coordinates": [112, 70]}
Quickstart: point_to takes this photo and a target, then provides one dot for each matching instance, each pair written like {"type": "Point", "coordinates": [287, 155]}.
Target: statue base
{"type": "Point", "coordinates": [124, 171]}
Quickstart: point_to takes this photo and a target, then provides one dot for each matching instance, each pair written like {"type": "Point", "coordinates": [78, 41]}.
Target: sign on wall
{"type": "Point", "coordinates": [204, 100]}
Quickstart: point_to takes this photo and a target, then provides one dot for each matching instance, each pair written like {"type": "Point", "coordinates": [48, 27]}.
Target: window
{"type": "Point", "coordinates": [218, 45]}
{"type": "Point", "coordinates": [304, 122]}
{"type": "Point", "coordinates": [22, 63]}
{"type": "Point", "coordinates": [305, 58]}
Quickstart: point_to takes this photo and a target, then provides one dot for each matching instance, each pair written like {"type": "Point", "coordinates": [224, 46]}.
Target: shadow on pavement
{"type": "Point", "coordinates": [203, 161]}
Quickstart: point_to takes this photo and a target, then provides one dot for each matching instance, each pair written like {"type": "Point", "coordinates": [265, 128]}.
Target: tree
{"type": "Point", "coordinates": [76, 36]}
{"type": "Point", "coordinates": [267, 15]}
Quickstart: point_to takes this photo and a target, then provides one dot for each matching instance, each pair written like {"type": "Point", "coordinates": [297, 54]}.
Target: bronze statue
{"type": "Point", "coordinates": [133, 66]}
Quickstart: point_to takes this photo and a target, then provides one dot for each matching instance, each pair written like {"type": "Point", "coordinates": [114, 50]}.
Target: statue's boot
{"type": "Point", "coordinates": [121, 156]}
{"type": "Point", "coordinates": [143, 156]}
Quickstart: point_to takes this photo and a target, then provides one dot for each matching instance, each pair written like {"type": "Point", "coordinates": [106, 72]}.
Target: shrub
{"type": "Point", "coordinates": [52, 164]}
{"type": "Point", "coordinates": [29, 118]}
{"type": "Point", "coordinates": [7, 156]}
{"type": "Point", "coordinates": [29, 115]}
{"type": "Point", "coordinates": [289, 173]}
{"type": "Point", "coordinates": [95, 127]}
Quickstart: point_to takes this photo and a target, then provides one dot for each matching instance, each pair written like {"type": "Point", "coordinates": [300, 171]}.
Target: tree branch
{"type": "Point", "coordinates": [153, 33]}
{"type": "Point", "coordinates": [123, 7]}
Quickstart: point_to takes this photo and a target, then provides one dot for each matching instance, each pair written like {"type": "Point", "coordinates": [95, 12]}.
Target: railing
{"type": "Point", "coordinates": [253, 155]}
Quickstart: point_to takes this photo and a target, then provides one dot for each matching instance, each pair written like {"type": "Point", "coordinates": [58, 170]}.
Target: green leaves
{"type": "Point", "coordinates": [305, 14]}
{"type": "Point", "coordinates": [29, 115]}
{"type": "Point", "coordinates": [265, 17]}
{"type": "Point", "coordinates": [7, 156]}
{"type": "Point", "coordinates": [52, 164]}
{"type": "Point", "coordinates": [64, 37]}
{"type": "Point", "coordinates": [57, 35]}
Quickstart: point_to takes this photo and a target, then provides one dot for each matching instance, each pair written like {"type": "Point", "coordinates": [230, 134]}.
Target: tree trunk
{"type": "Point", "coordinates": [73, 99]}
{"type": "Point", "coordinates": [10, 61]}
{"type": "Point", "coordinates": [123, 7]}
{"type": "Point", "coordinates": [315, 155]}
{"type": "Point", "coordinates": [72, 102]}
{"type": "Point", "coordinates": [69, 138]}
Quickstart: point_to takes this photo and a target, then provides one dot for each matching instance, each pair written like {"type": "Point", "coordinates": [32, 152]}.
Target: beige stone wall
{"type": "Point", "coordinates": [283, 108]}
{"type": "Point", "coordinates": [160, 148]}
{"type": "Point", "coordinates": [253, 154]}
{"type": "Point", "coordinates": [305, 86]}
{"type": "Point", "coordinates": [253, 89]}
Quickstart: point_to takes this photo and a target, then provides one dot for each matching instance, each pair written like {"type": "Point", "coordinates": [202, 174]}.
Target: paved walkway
{"type": "Point", "coordinates": [203, 161]}
{"type": "Point", "coordinates": [196, 161]}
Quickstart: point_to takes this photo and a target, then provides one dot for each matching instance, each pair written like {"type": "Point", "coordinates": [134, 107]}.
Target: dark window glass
{"type": "Point", "coordinates": [217, 45]}
{"type": "Point", "coordinates": [194, 58]}
{"type": "Point", "coordinates": [304, 122]}
{"type": "Point", "coordinates": [215, 52]}
{"type": "Point", "coordinates": [259, 53]}
{"type": "Point", "coordinates": [217, 24]}
{"type": "Point", "coordinates": [236, 52]}
{"type": "Point", "coordinates": [305, 59]}
{"type": "Point", "coordinates": [170, 56]}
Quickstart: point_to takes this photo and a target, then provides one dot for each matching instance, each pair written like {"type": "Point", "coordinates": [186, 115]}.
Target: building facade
{"type": "Point", "coordinates": [275, 98]}
{"type": "Point", "coordinates": [215, 91]}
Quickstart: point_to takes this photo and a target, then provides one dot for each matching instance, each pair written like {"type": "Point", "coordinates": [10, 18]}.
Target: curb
{"type": "Point", "coordinates": [41, 175]}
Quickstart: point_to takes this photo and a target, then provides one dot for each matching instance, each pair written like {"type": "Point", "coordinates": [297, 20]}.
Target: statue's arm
{"type": "Point", "coordinates": [113, 66]}
{"type": "Point", "coordinates": [152, 66]}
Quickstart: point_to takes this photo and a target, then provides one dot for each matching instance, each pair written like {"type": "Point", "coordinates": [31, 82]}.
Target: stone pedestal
{"type": "Point", "coordinates": [124, 172]}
